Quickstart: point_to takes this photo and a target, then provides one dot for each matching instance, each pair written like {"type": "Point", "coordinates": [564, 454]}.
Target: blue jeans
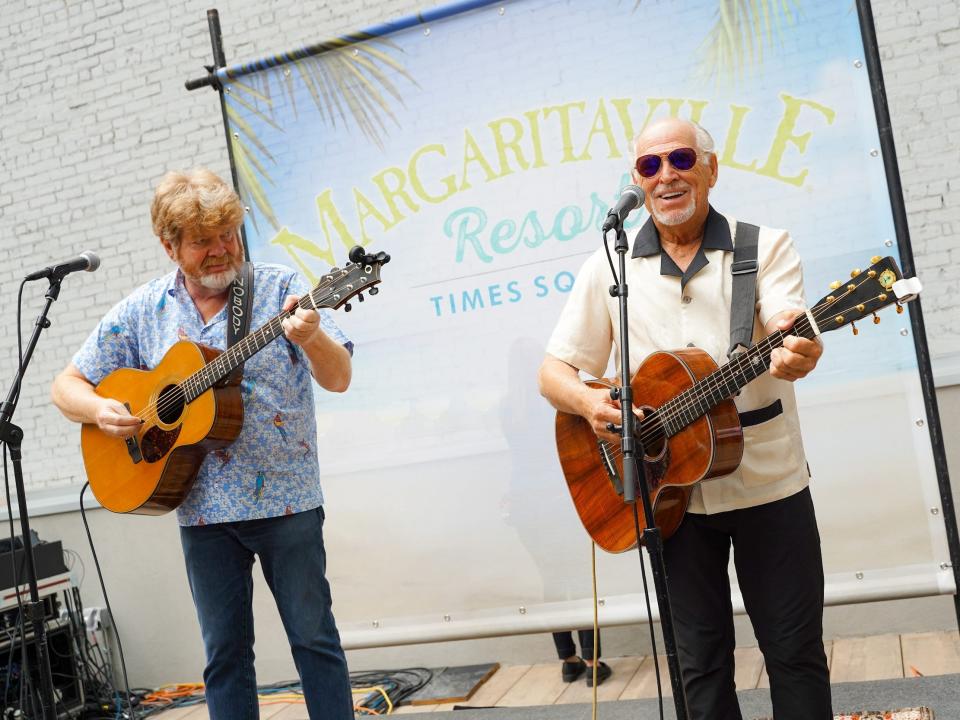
{"type": "Point", "coordinates": [219, 561]}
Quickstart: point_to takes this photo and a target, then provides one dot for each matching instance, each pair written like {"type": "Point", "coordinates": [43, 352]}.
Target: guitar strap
{"type": "Point", "coordinates": [743, 309]}
{"type": "Point", "coordinates": [241, 307]}
{"type": "Point", "coordinates": [743, 299]}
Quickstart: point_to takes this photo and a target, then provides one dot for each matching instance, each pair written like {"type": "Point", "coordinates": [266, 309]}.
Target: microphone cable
{"type": "Point", "coordinates": [106, 600]}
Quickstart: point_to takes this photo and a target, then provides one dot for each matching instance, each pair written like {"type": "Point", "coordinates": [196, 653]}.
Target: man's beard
{"type": "Point", "coordinates": [676, 217]}
{"type": "Point", "coordinates": [213, 281]}
{"type": "Point", "coordinates": [681, 215]}
{"type": "Point", "coordinates": [217, 281]}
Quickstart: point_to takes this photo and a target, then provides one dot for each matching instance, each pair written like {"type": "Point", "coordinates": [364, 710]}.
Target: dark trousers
{"type": "Point", "coordinates": [219, 561]}
{"type": "Point", "coordinates": [780, 573]}
{"type": "Point", "coordinates": [565, 647]}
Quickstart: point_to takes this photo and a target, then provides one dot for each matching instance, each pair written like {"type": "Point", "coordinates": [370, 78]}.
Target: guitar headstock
{"type": "Point", "coordinates": [339, 285]}
{"type": "Point", "coordinates": [866, 292]}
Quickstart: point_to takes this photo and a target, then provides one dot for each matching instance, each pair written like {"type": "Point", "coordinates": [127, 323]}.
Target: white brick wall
{"type": "Point", "coordinates": [94, 111]}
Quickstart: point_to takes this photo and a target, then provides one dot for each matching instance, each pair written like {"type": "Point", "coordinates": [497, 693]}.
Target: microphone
{"type": "Point", "coordinates": [85, 261]}
{"type": "Point", "coordinates": [631, 197]}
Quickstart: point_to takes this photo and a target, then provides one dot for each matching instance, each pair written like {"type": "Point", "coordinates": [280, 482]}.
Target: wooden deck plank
{"type": "Point", "coordinates": [748, 666]}
{"type": "Point", "coordinates": [867, 658]}
{"type": "Point", "coordinates": [850, 659]}
{"type": "Point", "coordinates": [410, 709]}
{"type": "Point", "coordinates": [194, 712]}
{"type": "Point", "coordinates": [643, 684]}
{"type": "Point", "coordinates": [541, 685]}
{"type": "Point", "coordinates": [494, 689]}
{"type": "Point", "coordinates": [624, 668]}
{"type": "Point", "coordinates": [932, 653]}
{"type": "Point", "coordinates": [284, 711]}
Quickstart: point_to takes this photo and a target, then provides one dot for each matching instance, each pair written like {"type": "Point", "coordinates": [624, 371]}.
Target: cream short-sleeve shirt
{"type": "Point", "coordinates": [672, 310]}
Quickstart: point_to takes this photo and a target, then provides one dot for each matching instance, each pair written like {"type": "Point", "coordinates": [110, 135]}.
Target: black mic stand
{"type": "Point", "coordinates": [12, 435]}
{"type": "Point", "coordinates": [632, 447]}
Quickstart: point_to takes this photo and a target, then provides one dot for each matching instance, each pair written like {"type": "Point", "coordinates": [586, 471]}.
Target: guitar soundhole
{"type": "Point", "coordinates": [157, 442]}
{"type": "Point", "coordinates": [170, 404]}
{"type": "Point", "coordinates": [654, 439]}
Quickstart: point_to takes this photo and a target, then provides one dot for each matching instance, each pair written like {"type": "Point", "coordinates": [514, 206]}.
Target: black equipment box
{"type": "Point", "coordinates": [47, 557]}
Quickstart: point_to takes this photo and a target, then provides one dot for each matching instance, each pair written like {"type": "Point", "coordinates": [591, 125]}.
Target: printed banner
{"type": "Point", "coordinates": [481, 147]}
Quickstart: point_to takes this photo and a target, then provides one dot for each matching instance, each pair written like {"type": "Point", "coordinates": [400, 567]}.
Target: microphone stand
{"type": "Point", "coordinates": [634, 481]}
{"type": "Point", "coordinates": [12, 435]}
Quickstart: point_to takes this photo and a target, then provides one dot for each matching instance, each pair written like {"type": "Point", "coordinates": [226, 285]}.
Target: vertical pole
{"type": "Point", "coordinates": [219, 61]}
{"type": "Point", "coordinates": [891, 167]}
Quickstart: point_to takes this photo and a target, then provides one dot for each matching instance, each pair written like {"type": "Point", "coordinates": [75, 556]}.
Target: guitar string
{"type": "Point", "coordinates": [738, 364]}
{"type": "Point", "coordinates": [654, 430]}
{"type": "Point", "coordinates": [683, 402]}
{"type": "Point", "coordinates": [696, 399]}
{"type": "Point", "coordinates": [673, 409]}
{"type": "Point", "coordinates": [177, 395]}
{"type": "Point", "coordinates": [179, 392]}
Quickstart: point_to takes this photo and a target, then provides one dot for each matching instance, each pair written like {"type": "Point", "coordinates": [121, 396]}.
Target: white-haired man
{"type": "Point", "coordinates": [680, 282]}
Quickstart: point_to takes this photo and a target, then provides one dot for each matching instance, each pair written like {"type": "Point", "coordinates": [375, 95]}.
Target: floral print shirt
{"type": "Point", "coordinates": [272, 468]}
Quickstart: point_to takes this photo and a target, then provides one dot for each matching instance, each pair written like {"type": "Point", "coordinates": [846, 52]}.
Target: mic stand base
{"type": "Point", "coordinates": [33, 610]}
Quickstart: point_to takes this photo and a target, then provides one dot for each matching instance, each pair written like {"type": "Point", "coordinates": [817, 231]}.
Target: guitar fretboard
{"type": "Point", "coordinates": [323, 295]}
{"type": "Point", "coordinates": [723, 383]}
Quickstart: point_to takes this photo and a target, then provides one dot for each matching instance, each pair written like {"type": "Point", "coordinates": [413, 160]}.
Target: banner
{"type": "Point", "coordinates": [481, 146]}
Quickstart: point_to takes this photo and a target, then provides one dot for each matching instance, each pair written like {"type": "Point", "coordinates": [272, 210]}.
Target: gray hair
{"type": "Point", "coordinates": [704, 141]}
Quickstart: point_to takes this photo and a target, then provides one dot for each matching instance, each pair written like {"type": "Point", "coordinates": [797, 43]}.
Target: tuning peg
{"type": "Point", "coordinates": [899, 308]}
{"type": "Point", "coordinates": [854, 272]}
{"type": "Point", "coordinates": [374, 290]}
{"type": "Point", "coordinates": [854, 326]}
{"type": "Point", "coordinates": [348, 307]}
{"type": "Point", "coordinates": [360, 297]}
{"type": "Point", "coordinates": [835, 285]}
{"type": "Point", "coordinates": [875, 259]}
{"type": "Point", "coordinates": [876, 319]}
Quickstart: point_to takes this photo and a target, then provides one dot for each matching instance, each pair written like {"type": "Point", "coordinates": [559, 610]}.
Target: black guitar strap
{"type": "Point", "coordinates": [743, 304]}
{"type": "Point", "coordinates": [241, 305]}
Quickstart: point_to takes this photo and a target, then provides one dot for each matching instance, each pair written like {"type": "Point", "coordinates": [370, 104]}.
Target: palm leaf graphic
{"type": "Point", "coordinates": [735, 43]}
{"type": "Point", "coordinates": [351, 83]}
{"type": "Point", "coordinates": [743, 29]}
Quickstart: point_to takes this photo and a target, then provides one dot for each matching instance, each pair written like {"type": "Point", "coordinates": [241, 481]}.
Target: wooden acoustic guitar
{"type": "Point", "coordinates": [691, 430]}
{"type": "Point", "coordinates": [191, 405]}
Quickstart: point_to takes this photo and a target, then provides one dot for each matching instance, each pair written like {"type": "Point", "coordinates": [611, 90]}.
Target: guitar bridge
{"type": "Point", "coordinates": [610, 466]}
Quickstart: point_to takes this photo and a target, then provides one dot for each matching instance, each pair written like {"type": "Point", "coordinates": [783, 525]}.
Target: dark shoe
{"type": "Point", "coordinates": [603, 672]}
{"type": "Point", "coordinates": [570, 671]}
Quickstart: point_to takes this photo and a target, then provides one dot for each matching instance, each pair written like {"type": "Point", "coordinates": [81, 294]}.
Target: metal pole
{"type": "Point", "coordinates": [872, 59]}
{"type": "Point", "coordinates": [219, 61]}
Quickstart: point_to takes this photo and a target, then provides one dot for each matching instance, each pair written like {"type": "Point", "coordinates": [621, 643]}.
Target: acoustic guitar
{"type": "Point", "coordinates": [191, 405]}
{"type": "Point", "coordinates": [691, 430]}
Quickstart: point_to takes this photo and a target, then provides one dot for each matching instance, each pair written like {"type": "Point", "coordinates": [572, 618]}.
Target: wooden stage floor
{"type": "Point", "coordinates": [879, 657]}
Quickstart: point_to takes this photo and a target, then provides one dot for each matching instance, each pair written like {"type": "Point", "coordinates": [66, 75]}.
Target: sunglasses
{"type": "Point", "coordinates": [680, 159]}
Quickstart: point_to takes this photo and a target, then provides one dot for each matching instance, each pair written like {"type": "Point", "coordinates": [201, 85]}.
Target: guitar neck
{"type": "Point", "coordinates": [228, 361]}
{"type": "Point", "coordinates": [726, 381]}
{"type": "Point", "coordinates": [234, 356]}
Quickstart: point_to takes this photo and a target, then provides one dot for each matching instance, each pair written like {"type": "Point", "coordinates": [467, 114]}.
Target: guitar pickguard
{"type": "Point", "coordinates": [657, 468]}
{"type": "Point", "coordinates": [157, 442]}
